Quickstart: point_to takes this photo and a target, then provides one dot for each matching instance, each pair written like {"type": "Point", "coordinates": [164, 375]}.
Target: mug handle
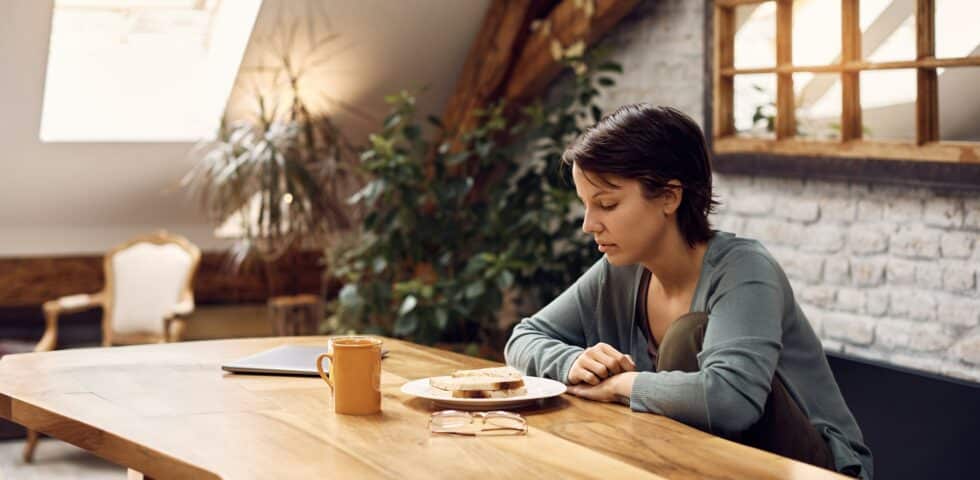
{"type": "Point", "coordinates": [319, 368]}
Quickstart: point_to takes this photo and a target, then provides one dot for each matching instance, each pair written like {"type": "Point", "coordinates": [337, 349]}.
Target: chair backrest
{"type": "Point", "coordinates": [147, 279]}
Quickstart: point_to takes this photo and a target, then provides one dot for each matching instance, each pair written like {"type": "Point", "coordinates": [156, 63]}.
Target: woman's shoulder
{"type": "Point", "coordinates": [744, 257]}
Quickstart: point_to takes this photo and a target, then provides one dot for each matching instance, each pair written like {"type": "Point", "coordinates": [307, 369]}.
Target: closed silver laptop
{"type": "Point", "coordinates": [283, 360]}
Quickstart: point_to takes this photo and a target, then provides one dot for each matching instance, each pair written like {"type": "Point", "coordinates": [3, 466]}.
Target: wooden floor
{"type": "Point", "coordinates": [55, 460]}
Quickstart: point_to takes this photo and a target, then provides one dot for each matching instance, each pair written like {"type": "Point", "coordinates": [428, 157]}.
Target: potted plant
{"type": "Point", "coordinates": [278, 179]}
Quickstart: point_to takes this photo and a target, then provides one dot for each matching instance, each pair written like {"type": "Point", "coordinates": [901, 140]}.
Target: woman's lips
{"type": "Point", "coordinates": [603, 247]}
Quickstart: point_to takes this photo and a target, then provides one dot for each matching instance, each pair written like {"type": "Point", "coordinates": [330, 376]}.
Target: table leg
{"type": "Point", "coordinates": [134, 475]}
{"type": "Point", "coordinates": [30, 445]}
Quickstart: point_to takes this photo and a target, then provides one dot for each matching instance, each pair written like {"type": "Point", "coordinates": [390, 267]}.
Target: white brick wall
{"type": "Point", "coordinates": [883, 272]}
{"type": "Point", "coordinates": [892, 279]}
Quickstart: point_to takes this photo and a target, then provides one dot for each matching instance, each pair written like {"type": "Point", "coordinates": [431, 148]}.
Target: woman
{"type": "Point", "coordinates": [680, 320]}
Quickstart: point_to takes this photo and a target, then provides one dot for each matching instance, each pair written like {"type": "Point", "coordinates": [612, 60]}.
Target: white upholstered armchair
{"type": "Point", "coordinates": [148, 287]}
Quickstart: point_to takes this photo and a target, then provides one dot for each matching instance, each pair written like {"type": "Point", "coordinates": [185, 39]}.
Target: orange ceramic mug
{"type": "Point", "coordinates": [355, 374]}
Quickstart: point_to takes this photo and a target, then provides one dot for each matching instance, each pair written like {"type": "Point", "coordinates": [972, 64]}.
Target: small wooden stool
{"type": "Point", "coordinates": [296, 314]}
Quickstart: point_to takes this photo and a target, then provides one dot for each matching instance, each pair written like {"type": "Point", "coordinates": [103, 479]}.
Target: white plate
{"type": "Point", "coordinates": [537, 388]}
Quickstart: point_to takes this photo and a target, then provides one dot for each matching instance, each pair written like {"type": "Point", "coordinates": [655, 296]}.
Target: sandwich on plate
{"type": "Point", "coordinates": [496, 382]}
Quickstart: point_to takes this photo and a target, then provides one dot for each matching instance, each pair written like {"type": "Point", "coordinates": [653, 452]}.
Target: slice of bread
{"type": "Point", "coordinates": [513, 392]}
{"type": "Point", "coordinates": [454, 384]}
{"type": "Point", "coordinates": [496, 372]}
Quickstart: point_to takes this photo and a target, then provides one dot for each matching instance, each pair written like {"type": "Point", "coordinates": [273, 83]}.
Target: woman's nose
{"type": "Point", "coordinates": [589, 225]}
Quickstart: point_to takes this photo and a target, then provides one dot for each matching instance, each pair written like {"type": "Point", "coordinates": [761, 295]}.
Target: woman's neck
{"type": "Point", "coordinates": [676, 266]}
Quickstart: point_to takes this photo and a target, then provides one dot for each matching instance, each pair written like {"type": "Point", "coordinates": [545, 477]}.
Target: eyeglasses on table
{"type": "Point", "coordinates": [459, 422]}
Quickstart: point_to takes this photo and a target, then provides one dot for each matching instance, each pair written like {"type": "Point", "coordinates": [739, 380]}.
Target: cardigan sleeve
{"type": "Point", "coordinates": [548, 343]}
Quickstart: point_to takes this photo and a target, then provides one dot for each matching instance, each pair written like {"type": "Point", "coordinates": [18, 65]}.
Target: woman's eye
{"type": "Point", "coordinates": [607, 206]}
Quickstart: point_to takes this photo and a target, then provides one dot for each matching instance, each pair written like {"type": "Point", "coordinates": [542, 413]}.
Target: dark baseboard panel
{"type": "Point", "coordinates": [917, 424]}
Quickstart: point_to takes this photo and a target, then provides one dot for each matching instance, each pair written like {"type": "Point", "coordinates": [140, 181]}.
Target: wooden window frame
{"type": "Point", "coordinates": [926, 161]}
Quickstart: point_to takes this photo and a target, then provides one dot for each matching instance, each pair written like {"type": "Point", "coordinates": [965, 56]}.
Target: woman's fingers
{"type": "Point", "coordinates": [612, 366]}
{"type": "Point", "coordinates": [598, 363]}
{"type": "Point", "coordinates": [628, 364]}
{"type": "Point", "coordinates": [580, 374]}
{"type": "Point", "coordinates": [596, 368]}
{"type": "Point", "coordinates": [590, 378]}
{"type": "Point", "coordinates": [623, 363]}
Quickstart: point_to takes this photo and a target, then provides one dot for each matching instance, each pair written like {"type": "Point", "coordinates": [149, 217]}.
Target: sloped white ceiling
{"type": "Point", "coordinates": [68, 198]}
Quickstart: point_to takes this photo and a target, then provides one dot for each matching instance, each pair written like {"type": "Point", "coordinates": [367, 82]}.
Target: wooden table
{"type": "Point", "coordinates": [168, 411]}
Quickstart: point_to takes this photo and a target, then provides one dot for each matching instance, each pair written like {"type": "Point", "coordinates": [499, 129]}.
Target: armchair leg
{"type": "Point", "coordinates": [176, 329]}
{"type": "Point", "coordinates": [50, 338]}
{"type": "Point", "coordinates": [29, 447]}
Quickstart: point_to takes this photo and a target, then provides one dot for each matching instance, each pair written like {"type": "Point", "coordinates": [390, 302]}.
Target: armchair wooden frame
{"type": "Point", "coordinates": [173, 328]}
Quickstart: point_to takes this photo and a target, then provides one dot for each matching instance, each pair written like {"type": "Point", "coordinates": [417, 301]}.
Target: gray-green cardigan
{"type": "Point", "coordinates": [755, 329]}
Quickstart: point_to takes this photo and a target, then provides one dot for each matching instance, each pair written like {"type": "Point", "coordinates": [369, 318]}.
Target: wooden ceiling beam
{"type": "Point", "coordinates": [508, 61]}
{"type": "Point", "coordinates": [504, 30]}
{"type": "Point", "coordinates": [568, 23]}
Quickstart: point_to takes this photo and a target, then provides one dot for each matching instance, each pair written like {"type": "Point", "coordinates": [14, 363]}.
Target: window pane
{"type": "Point", "coordinates": [816, 32]}
{"type": "Point", "coordinates": [888, 104]}
{"type": "Point", "coordinates": [148, 70]}
{"type": "Point", "coordinates": [755, 35]}
{"type": "Point", "coordinates": [957, 28]}
{"type": "Point", "coordinates": [887, 30]}
{"type": "Point", "coordinates": [755, 105]}
{"type": "Point", "coordinates": [959, 106]}
{"type": "Point", "coordinates": [818, 105]}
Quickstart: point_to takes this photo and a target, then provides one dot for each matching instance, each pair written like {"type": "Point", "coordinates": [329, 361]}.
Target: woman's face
{"type": "Point", "coordinates": [628, 226]}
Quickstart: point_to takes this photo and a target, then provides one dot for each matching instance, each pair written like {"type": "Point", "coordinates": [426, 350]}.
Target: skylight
{"type": "Point", "coordinates": [142, 70]}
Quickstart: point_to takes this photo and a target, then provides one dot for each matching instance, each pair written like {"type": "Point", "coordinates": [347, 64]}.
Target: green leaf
{"type": "Point", "coordinates": [392, 121]}
{"type": "Point", "coordinates": [406, 325]}
{"type": "Point", "coordinates": [483, 149]}
{"type": "Point", "coordinates": [408, 305]}
{"type": "Point", "coordinates": [442, 318]}
{"type": "Point", "coordinates": [349, 296]}
{"type": "Point", "coordinates": [474, 290]}
{"type": "Point", "coordinates": [505, 280]}
{"type": "Point", "coordinates": [381, 144]}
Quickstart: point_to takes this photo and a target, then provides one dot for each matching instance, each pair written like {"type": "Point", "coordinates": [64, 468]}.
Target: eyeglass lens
{"type": "Point", "coordinates": [492, 420]}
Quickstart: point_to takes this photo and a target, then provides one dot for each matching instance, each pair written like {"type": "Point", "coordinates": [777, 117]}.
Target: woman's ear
{"type": "Point", "coordinates": [672, 195]}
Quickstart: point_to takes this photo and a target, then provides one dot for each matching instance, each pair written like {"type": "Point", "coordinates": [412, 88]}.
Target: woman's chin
{"type": "Point", "coordinates": [616, 259]}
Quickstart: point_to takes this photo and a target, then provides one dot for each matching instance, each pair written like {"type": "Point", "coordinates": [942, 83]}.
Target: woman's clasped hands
{"type": "Point", "coordinates": [602, 373]}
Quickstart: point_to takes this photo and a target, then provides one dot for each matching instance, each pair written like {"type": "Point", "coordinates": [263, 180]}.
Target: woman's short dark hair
{"type": "Point", "coordinates": [652, 145]}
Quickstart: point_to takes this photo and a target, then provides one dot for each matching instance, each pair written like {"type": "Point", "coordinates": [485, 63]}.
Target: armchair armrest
{"type": "Point", "coordinates": [183, 308]}
{"type": "Point", "coordinates": [78, 302]}
{"type": "Point", "coordinates": [54, 308]}
{"type": "Point", "coordinates": [174, 324]}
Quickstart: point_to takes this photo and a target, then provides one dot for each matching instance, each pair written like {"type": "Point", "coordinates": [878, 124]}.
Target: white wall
{"type": "Point", "coordinates": [73, 198]}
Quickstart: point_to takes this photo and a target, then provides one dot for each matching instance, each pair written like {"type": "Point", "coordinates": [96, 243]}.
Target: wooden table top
{"type": "Point", "coordinates": [169, 411]}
